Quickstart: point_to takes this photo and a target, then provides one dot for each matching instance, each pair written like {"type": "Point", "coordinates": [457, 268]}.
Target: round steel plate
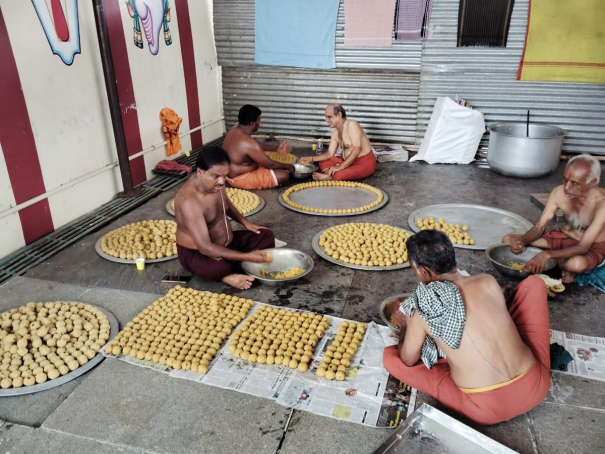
{"type": "Point", "coordinates": [260, 206]}
{"type": "Point", "coordinates": [334, 198]}
{"type": "Point", "coordinates": [132, 261]}
{"type": "Point", "coordinates": [486, 225]}
{"type": "Point", "coordinates": [319, 250]}
{"type": "Point", "coordinates": [114, 328]}
{"type": "Point", "coordinates": [283, 260]}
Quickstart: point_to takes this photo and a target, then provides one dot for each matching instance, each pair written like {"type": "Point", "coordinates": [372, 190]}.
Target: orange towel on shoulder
{"type": "Point", "coordinates": [171, 123]}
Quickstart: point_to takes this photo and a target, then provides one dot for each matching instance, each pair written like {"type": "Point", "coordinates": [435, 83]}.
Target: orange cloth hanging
{"type": "Point", "coordinates": [171, 123]}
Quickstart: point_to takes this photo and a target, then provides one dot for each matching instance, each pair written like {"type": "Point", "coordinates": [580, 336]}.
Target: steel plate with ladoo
{"type": "Point", "coordinates": [486, 225]}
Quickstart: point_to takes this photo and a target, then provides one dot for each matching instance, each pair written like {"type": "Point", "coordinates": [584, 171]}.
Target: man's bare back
{"type": "Point", "coordinates": [497, 364]}
{"type": "Point", "coordinates": [246, 154]}
{"type": "Point", "coordinates": [489, 334]}
{"type": "Point", "coordinates": [239, 146]}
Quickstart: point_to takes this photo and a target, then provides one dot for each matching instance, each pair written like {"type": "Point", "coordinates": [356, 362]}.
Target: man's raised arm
{"type": "Point", "coordinates": [240, 218]}
{"type": "Point", "coordinates": [281, 147]}
{"type": "Point", "coordinates": [410, 342]}
{"type": "Point", "coordinates": [328, 154]}
{"type": "Point", "coordinates": [256, 153]}
{"type": "Point", "coordinates": [550, 210]}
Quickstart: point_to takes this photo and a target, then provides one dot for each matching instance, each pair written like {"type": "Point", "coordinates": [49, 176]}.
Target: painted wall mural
{"type": "Point", "coordinates": [153, 15]}
{"type": "Point", "coordinates": [63, 29]}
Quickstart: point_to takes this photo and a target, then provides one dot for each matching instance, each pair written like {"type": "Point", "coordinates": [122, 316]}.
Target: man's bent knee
{"type": "Point", "coordinates": [267, 239]}
{"type": "Point", "coordinates": [267, 234]}
{"type": "Point", "coordinates": [577, 264]}
{"type": "Point", "coordinates": [281, 175]}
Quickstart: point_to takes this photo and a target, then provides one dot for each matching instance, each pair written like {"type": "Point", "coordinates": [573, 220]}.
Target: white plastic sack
{"type": "Point", "coordinates": [453, 134]}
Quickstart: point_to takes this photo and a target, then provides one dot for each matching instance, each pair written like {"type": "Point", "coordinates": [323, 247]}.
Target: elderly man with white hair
{"type": "Point", "coordinates": [579, 246]}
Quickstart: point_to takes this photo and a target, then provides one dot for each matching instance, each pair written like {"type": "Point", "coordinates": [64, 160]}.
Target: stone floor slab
{"type": "Point", "coordinates": [313, 434]}
{"type": "Point", "coordinates": [15, 438]}
{"type": "Point", "coordinates": [33, 409]}
{"type": "Point", "coordinates": [567, 429]}
{"type": "Point", "coordinates": [122, 304]}
{"type": "Point", "coordinates": [577, 391]}
{"type": "Point", "coordinates": [21, 290]}
{"type": "Point", "coordinates": [145, 409]}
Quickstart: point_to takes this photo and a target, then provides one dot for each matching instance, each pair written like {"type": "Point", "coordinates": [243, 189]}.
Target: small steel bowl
{"type": "Point", "coordinates": [500, 256]}
{"type": "Point", "coordinates": [390, 305]}
{"type": "Point", "coordinates": [283, 260]}
{"type": "Point", "coordinates": [303, 171]}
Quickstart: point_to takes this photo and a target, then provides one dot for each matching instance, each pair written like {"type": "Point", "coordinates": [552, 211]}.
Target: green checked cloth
{"type": "Point", "coordinates": [440, 304]}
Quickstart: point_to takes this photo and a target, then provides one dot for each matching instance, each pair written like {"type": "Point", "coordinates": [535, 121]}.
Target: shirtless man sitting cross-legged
{"type": "Point", "coordinates": [358, 160]}
{"type": "Point", "coordinates": [250, 167]}
{"type": "Point", "coordinates": [580, 245]}
{"type": "Point", "coordinates": [497, 351]}
{"type": "Point", "coordinates": [206, 244]}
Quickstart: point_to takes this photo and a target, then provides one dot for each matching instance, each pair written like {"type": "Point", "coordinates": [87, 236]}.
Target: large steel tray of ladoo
{"type": "Point", "coordinates": [320, 251]}
{"type": "Point", "coordinates": [334, 198]}
{"type": "Point", "coordinates": [114, 328]}
{"type": "Point", "coordinates": [486, 225]}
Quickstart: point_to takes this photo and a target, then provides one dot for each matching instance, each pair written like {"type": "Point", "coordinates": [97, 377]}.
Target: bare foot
{"type": "Point", "coordinates": [567, 277]}
{"type": "Point", "coordinates": [318, 176]}
{"type": "Point", "coordinates": [240, 281]}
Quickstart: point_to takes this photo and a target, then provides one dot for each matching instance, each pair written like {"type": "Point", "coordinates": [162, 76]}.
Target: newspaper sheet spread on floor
{"type": "Point", "coordinates": [588, 354]}
{"type": "Point", "coordinates": [369, 395]}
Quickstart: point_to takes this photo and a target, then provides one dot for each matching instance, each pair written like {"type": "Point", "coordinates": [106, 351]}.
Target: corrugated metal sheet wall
{"type": "Point", "coordinates": [293, 100]}
{"type": "Point", "coordinates": [381, 88]}
{"type": "Point", "coordinates": [378, 87]}
{"type": "Point", "coordinates": [487, 78]}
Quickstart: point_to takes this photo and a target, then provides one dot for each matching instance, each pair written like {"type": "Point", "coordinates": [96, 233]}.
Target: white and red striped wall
{"type": "Point", "coordinates": [56, 142]}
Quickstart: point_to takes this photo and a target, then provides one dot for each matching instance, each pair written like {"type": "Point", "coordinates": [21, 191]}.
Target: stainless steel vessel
{"type": "Point", "coordinates": [500, 256]}
{"type": "Point", "coordinates": [283, 260]}
{"type": "Point", "coordinates": [303, 171]}
{"type": "Point", "coordinates": [514, 152]}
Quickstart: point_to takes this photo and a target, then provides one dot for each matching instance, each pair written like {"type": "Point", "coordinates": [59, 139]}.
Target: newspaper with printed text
{"type": "Point", "coordinates": [588, 354]}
